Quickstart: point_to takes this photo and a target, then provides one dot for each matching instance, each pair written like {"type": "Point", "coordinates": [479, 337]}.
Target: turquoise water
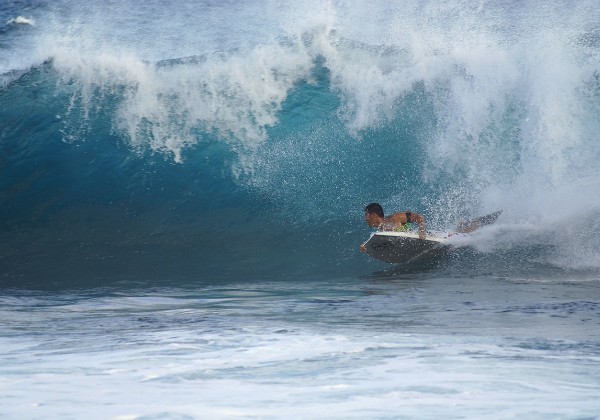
{"type": "Point", "coordinates": [182, 190]}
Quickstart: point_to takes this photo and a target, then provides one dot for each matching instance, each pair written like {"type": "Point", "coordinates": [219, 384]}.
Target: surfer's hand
{"type": "Point", "coordinates": [363, 248]}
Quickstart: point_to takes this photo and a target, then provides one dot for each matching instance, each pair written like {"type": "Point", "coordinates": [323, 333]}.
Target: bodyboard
{"type": "Point", "coordinates": [404, 247]}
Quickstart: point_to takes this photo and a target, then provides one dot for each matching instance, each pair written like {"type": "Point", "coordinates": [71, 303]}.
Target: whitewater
{"type": "Point", "coordinates": [182, 187]}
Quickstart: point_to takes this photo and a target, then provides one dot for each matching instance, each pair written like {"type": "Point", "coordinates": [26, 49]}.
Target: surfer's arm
{"type": "Point", "coordinates": [417, 218]}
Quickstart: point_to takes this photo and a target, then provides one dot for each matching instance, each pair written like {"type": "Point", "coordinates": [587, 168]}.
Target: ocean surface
{"type": "Point", "coordinates": [182, 186]}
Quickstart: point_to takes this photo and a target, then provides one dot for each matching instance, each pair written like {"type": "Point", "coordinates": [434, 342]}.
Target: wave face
{"type": "Point", "coordinates": [231, 137]}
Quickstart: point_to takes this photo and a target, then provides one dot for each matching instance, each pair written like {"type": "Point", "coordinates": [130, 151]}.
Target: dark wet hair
{"type": "Point", "coordinates": [375, 208]}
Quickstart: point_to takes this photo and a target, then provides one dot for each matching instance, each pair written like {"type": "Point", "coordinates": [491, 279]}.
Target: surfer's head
{"type": "Point", "coordinates": [374, 214]}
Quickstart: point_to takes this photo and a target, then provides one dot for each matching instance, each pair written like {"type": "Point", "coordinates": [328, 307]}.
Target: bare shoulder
{"type": "Point", "coordinates": [399, 217]}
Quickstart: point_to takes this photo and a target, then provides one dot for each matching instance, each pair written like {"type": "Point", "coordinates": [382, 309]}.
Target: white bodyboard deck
{"type": "Point", "coordinates": [404, 247]}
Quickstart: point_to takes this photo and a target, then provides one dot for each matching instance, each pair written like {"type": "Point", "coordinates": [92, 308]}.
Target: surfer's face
{"type": "Point", "coordinates": [372, 219]}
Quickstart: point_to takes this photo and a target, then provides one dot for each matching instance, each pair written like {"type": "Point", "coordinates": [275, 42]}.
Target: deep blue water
{"type": "Point", "coordinates": [181, 204]}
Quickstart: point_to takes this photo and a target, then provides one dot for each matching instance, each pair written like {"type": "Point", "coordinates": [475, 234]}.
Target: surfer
{"type": "Point", "coordinates": [398, 222]}
{"type": "Point", "coordinates": [397, 248]}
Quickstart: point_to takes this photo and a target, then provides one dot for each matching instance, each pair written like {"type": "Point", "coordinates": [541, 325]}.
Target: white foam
{"type": "Point", "coordinates": [20, 20]}
{"type": "Point", "coordinates": [236, 96]}
{"type": "Point", "coordinates": [474, 69]}
{"type": "Point", "coordinates": [254, 373]}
